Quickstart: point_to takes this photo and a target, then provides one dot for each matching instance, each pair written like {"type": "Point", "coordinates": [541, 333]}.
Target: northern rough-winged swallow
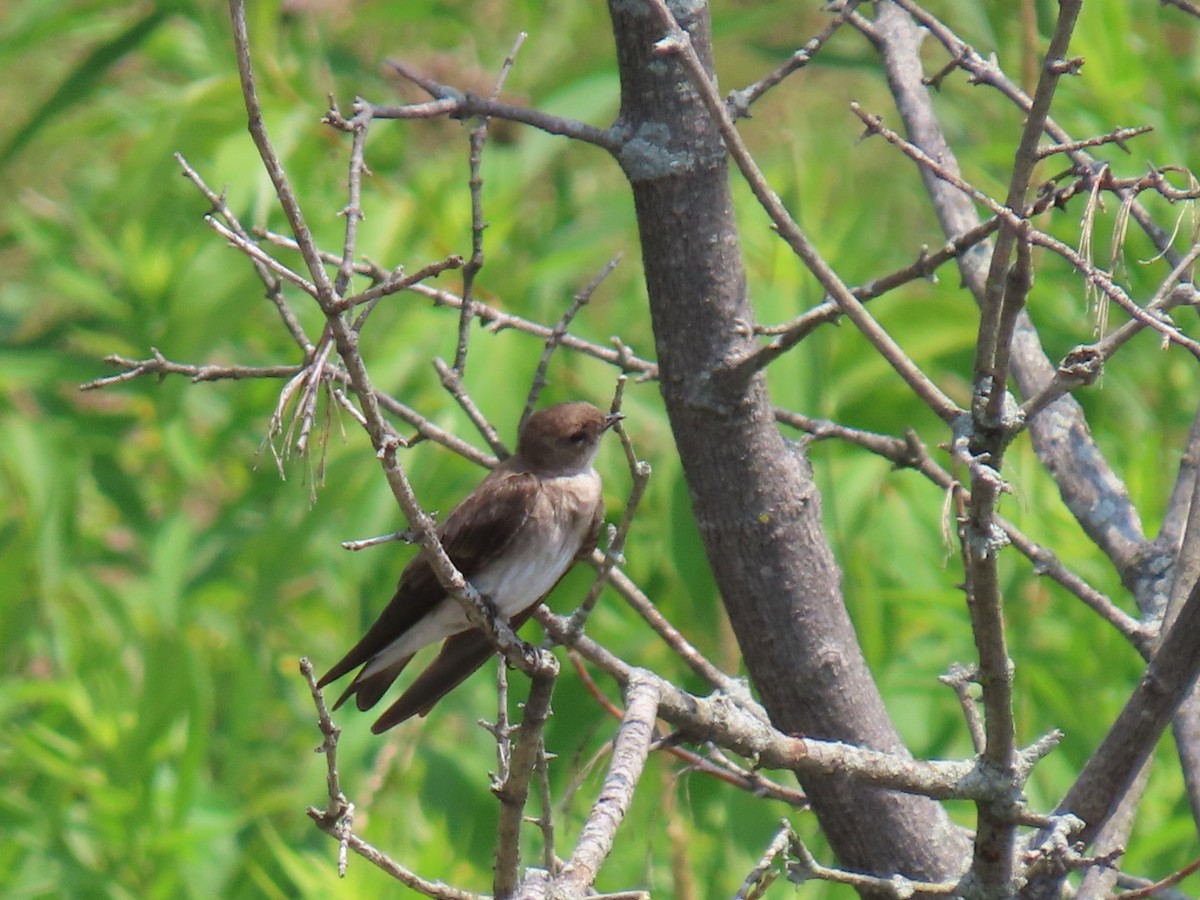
{"type": "Point", "coordinates": [513, 538]}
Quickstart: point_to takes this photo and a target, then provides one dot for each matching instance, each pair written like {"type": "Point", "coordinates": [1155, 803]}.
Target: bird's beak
{"type": "Point", "coordinates": [612, 419]}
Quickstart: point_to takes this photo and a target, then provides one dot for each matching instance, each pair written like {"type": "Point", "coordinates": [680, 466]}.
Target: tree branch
{"type": "Point", "coordinates": [630, 749]}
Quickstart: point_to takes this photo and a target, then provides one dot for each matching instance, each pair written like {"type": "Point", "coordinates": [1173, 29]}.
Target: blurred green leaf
{"type": "Point", "coordinates": [83, 80]}
{"type": "Point", "coordinates": [164, 580]}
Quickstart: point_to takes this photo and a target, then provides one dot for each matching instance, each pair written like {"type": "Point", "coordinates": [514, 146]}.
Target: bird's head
{"type": "Point", "coordinates": [564, 438]}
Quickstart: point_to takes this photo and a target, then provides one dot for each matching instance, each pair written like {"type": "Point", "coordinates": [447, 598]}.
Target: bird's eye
{"type": "Point", "coordinates": [578, 437]}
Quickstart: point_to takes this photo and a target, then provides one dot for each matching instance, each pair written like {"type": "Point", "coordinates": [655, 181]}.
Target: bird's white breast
{"type": "Point", "coordinates": [546, 546]}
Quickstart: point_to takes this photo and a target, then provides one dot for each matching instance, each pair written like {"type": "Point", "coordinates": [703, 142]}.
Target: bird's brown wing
{"type": "Point", "coordinates": [461, 655]}
{"type": "Point", "coordinates": [479, 529]}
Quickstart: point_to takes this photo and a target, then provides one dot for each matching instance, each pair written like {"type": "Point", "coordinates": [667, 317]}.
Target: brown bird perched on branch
{"type": "Point", "coordinates": [513, 538]}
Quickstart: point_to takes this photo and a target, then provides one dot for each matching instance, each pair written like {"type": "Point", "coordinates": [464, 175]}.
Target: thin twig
{"type": "Point", "coordinates": [559, 332]}
{"type": "Point", "coordinates": [394, 284]}
{"type": "Point", "coordinates": [959, 679]}
{"type": "Point", "coordinates": [1117, 136]}
{"type": "Point", "coordinates": [353, 211]}
{"type": "Point", "coordinates": [436, 889]}
{"type": "Point", "coordinates": [763, 875]}
{"type": "Point", "coordinates": [336, 819]}
{"type": "Point", "coordinates": [911, 453]}
{"type": "Point", "coordinates": [639, 470]}
{"type": "Point", "coordinates": [478, 140]}
{"type": "Point", "coordinates": [260, 256]}
{"type": "Point", "coordinates": [1084, 364]}
{"type": "Point", "coordinates": [497, 320]}
{"type": "Point", "coordinates": [805, 867]}
{"type": "Point", "coordinates": [273, 285]}
{"type": "Point", "coordinates": [925, 266]}
{"type": "Point", "coordinates": [160, 366]}
{"type": "Point", "coordinates": [672, 636]}
{"type": "Point", "coordinates": [458, 105]}
{"type": "Point", "coordinates": [1171, 880]}
{"type": "Point", "coordinates": [1187, 6]}
{"type": "Point", "coordinates": [330, 733]}
{"type": "Point", "coordinates": [545, 821]}
{"type": "Point", "coordinates": [406, 537]}
{"type": "Point", "coordinates": [452, 382]}
{"type": "Point", "coordinates": [740, 101]}
{"type": "Point", "coordinates": [502, 729]}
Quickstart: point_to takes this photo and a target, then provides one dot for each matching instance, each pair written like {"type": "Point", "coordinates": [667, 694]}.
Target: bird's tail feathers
{"type": "Point", "coordinates": [460, 656]}
{"type": "Point", "coordinates": [368, 687]}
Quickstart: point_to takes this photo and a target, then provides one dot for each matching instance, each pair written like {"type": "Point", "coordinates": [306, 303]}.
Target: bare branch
{"type": "Point", "coordinates": [435, 889]}
{"type": "Point", "coordinates": [740, 101]}
{"type": "Point", "coordinates": [673, 637]}
{"type": "Point", "coordinates": [1165, 682]}
{"type": "Point", "coordinates": [911, 453]}
{"type": "Point", "coordinates": [960, 679]}
{"type": "Point", "coordinates": [559, 332]}
{"type": "Point", "coordinates": [353, 211]}
{"type": "Point", "coordinates": [726, 722]}
{"type": "Point", "coordinates": [394, 283]}
{"type": "Point", "coordinates": [498, 320]}
{"type": "Point", "coordinates": [273, 285]}
{"type": "Point", "coordinates": [1117, 136]}
{"type": "Point", "coordinates": [805, 867]}
{"type": "Point", "coordinates": [258, 255]}
{"type": "Point", "coordinates": [1097, 277]}
{"type": "Point", "coordinates": [479, 135]}
{"type": "Point", "coordinates": [452, 382]}
{"type": "Point", "coordinates": [336, 819]}
{"type": "Point", "coordinates": [458, 105]}
{"type": "Point", "coordinates": [1187, 6]}
{"type": "Point", "coordinates": [763, 875]}
{"type": "Point", "coordinates": [1155, 889]}
{"type": "Point", "coordinates": [640, 473]}
{"type": "Point", "coordinates": [161, 366]}
{"type": "Point", "coordinates": [679, 44]}
{"type": "Point", "coordinates": [925, 266]}
{"type": "Point", "coordinates": [1084, 364]}
{"type": "Point", "coordinates": [629, 756]}
{"type": "Point", "coordinates": [715, 764]}
{"type": "Point", "coordinates": [514, 792]}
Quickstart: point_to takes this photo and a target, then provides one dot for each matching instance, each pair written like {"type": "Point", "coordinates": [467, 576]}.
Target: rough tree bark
{"type": "Point", "coordinates": [754, 498]}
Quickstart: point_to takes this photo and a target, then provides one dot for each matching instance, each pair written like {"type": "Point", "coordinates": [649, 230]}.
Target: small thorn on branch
{"type": "Point", "coordinates": [1068, 66]}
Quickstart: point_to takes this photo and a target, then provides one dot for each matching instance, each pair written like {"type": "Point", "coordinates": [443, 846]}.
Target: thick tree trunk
{"type": "Point", "coordinates": [753, 494]}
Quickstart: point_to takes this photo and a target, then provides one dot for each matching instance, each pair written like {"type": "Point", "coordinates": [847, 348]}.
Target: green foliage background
{"type": "Point", "coordinates": [161, 580]}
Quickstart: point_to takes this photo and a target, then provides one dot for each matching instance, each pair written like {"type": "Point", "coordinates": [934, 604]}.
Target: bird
{"type": "Point", "coordinates": [513, 538]}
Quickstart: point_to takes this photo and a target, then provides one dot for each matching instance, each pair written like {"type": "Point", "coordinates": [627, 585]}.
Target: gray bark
{"type": "Point", "coordinates": [753, 495]}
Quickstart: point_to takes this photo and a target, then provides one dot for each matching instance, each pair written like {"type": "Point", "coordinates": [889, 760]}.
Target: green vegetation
{"type": "Point", "coordinates": [162, 580]}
